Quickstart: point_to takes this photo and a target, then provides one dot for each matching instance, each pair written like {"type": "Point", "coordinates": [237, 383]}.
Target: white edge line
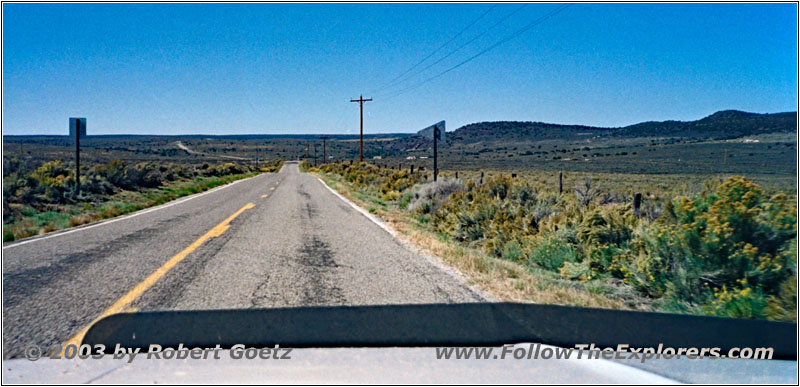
{"type": "Point", "coordinates": [123, 217]}
{"type": "Point", "coordinates": [364, 212]}
{"type": "Point", "coordinates": [453, 272]}
{"type": "Point", "coordinates": [607, 368]}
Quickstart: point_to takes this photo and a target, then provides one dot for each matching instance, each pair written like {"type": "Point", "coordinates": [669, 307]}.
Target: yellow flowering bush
{"type": "Point", "coordinates": [728, 251]}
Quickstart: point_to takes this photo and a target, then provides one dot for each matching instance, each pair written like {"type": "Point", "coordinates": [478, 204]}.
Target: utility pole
{"type": "Point", "coordinates": [315, 154]}
{"type": "Point", "coordinates": [361, 101]}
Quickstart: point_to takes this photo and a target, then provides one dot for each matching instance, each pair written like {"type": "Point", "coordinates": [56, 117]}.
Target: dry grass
{"type": "Point", "coordinates": [501, 279]}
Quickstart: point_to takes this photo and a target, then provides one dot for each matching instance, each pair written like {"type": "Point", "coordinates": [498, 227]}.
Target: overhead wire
{"type": "Point", "coordinates": [456, 36]}
{"type": "Point", "coordinates": [493, 26]}
{"type": "Point", "coordinates": [484, 51]}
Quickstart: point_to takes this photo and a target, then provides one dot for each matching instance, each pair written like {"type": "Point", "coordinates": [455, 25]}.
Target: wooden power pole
{"type": "Point", "coordinates": [361, 101]}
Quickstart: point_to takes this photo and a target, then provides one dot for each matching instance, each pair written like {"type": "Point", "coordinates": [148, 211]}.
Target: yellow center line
{"type": "Point", "coordinates": [271, 188]}
{"type": "Point", "coordinates": [123, 304]}
{"type": "Point", "coordinates": [263, 196]}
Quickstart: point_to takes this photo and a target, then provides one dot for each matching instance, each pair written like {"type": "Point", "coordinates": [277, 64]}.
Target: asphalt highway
{"type": "Point", "coordinates": [274, 240]}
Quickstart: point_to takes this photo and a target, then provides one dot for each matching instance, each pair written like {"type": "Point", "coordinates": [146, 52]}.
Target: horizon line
{"type": "Point", "coordinates": [395, 133]}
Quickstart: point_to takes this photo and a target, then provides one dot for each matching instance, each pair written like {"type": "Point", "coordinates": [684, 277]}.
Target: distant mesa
{"type": "Point", "coordinates": [720, 125]}
{"type": "Point", "coordinates": [725, 124]}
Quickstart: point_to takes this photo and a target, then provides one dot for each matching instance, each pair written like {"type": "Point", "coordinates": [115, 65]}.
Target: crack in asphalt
{"type": "Point", "coordinates": [316, 259]}
{"type": "Point", "coordinates": [260, 295]}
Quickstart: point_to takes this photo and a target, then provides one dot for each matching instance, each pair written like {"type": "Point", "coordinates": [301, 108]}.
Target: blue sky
{"type": "Point", "coordinates": [292, 68]}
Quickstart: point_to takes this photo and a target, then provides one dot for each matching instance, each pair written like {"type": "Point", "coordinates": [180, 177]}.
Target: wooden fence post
{"type": "Point", "coordinates": [637, 203]}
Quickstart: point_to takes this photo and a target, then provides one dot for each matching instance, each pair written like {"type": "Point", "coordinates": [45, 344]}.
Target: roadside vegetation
{"type": "Point", "coordinates": [726, 249]}
{"type": "Point", "coordinates": [43, 199]}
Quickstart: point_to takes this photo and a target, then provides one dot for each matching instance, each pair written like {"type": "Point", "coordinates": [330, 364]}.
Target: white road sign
{"type": "Point", "coordinates": [428, 132]}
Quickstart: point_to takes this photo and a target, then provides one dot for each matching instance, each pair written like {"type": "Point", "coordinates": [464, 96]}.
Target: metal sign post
{"type": "Point", "coordinates": [435, 152]}
{"type": "Point", "coordinates": [77, 125]}
{"type": "Point", "coordinates": [437, 133]}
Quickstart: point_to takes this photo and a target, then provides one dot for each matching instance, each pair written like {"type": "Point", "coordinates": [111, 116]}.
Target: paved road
{"type": "Point", "coordinates": [232, 247]}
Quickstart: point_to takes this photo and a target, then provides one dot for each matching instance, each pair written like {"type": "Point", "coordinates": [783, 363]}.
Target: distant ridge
{"type": "Point", "coordinates": [720, 125]}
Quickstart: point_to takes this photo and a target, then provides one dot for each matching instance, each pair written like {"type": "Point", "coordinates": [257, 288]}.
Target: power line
{"type": "Point", "coordinates": [512, 36]}
{"type": "Point", "coordinates": [461, 46]}
{"type": "Point", "coordinates": [436, 50]}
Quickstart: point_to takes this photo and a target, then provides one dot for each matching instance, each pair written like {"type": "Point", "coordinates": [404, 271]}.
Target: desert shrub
{"type": "Point", "coordinates": [552, 252]}
{"type": "Point", "coordinates": [576, 270]}
{"type": "Point", "coordinates": [97, 184]}
{"type": "Point", "coordinates": [607, 226]}
{"type": "Point", "coordinates": [43, 199]}
{"type": "Point", "coordinates": [227, 169]}
{"type": "Point", "coordinates": [466, 216]}
{"type": "Point", "coordinates": [390, 196]}
{"type": "Point", "coordinates": [432, 195]}
{"type": "Point", "coordinates": [585, 192]}
{"type": "Point", "coordinates": [726, 253]}
{"type": "Point", "coordinates": [274, 166]}
{"type": "Point", "coordinates": [398, 181]}
{"type": "Point", "coordinates": [49, 171]}
{"type": "Point", "coordinates": [53, 181]}
{"type": "Point", "coordinates": [143, 175]}
{"type": "Point", "coordinates": [729, 250]}
{"type": "Point", "coordinates": [512, 251]}
{"type": "Point", "coordinates": [782, 305]}
{"type": "Point", "coordinates": [498, 187]}
{"type": "Point", "coordinates": [114, 172]}
{"type": "Point", "coordinates": [405, 198]}
{"type": "Point", "coordinates": [18, 187]}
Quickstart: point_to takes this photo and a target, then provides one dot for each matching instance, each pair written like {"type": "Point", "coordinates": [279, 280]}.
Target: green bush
{"type": "Point", "coordinates": [114, 172]}
{"type": "Point", "coordinates": [431, 196]}
{"type": "Point", "coordinates": [726, 252]}
{"type": "Point", "coordinates": [53, 181]}
{"type": "Point", "coordinates": [143, 174]}
{"type": "Point", "coordinates": [552, 252]}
